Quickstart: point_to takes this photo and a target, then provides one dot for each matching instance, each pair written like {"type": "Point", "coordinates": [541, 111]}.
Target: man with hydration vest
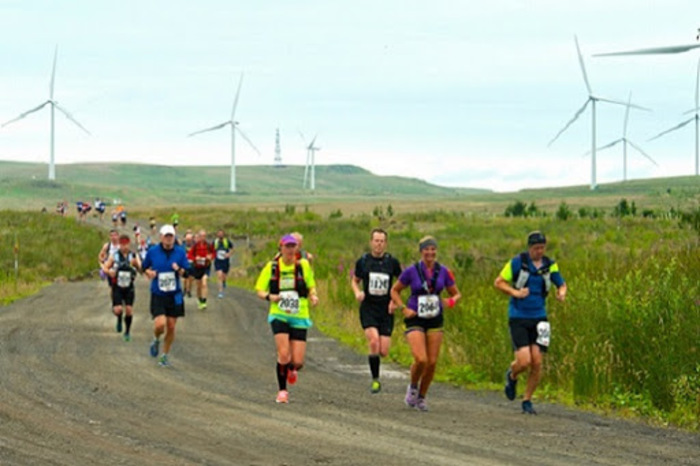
{"type": "Point", "coordinates": [527, 279]}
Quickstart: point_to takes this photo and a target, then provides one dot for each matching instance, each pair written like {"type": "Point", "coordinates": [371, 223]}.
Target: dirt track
{"type": "Point", "coordinates": [72, 392]}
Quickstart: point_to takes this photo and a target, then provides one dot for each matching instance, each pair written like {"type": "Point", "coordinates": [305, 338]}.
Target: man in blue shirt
{"type": "Point", "coordinates": [164, 264]}
{"type": "Point", "coordinates": [527, 279]}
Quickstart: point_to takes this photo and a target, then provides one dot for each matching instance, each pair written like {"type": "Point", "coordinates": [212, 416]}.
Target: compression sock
{"type": "Point", "coordinates": [374, 365]}
{"type": "Point", "coordinates": [281, 371]}
{"type": "Point", "coordinates": [127, 321]}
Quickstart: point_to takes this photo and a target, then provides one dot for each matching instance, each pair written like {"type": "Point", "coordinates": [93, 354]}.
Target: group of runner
{"type": "Point", "coordinates": [164, 263]}
{"type": "Point", "coordinates": [287, 282]}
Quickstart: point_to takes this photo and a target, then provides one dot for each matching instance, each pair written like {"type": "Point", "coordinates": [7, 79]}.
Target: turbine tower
{"type": "Point", "coordinates": [592, 99]}
{"type": "Point", "coordinates": [310, 167]}
{"type": "Point", "coordinates": [278, 150]}
{"type": "Point", "coordinates": [54, 106]}
{"type": "Point", "coordinates": [234, 127]}
{"type": "Point", "coordinates": [695, 118]}
{"type": "Point", "coordinates": [625, 141]}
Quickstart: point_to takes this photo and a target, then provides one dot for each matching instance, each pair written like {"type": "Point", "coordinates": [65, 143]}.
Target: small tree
{"type": "Point", "coordinates": [564, 212]}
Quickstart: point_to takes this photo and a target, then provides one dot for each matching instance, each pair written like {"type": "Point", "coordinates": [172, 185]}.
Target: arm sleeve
{"type": "Point", "coordinates": [263, 282]}
{"type": "Point", "coordinates": [308, 274]}
{"type": "Point", "coordinates": [397, 268]}
{"type": "Point", "coordinates": [449, 278]}
{"type": "Point", "coordinates": [358, 269]}
{"type": "Point", "coordinates": [557, 279]}
{"type": "Point", "coordinates": [406, 275]}
{"type": "Point", "coordinates": [507, 272]}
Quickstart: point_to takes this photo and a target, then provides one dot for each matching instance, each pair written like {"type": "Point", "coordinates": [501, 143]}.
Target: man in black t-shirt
{"type": "Point", "coordinates": [374, 272]}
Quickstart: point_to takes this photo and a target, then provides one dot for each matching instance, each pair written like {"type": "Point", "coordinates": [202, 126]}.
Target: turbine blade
{"type": "Point", "coordinates": [213, 128]}
{"type": "Point", "coordinates": [583, 66]}
{"type": "Point", "coordinates": [611, 144]}
{"type": "Point", "coordinates": [619, 102]}
{"type": "Point", "coordinates": [576, 115]}
{"type": "Point", "coordinates": [678, 126]}
{"type": "Point", "coordinates": [53, 72]}
{"type": "Point", "coordinates": [70, 117]}
{"type": "Point", "coordinates": [302, 137]}
{"type": "Point", "coordinates": [651, 51]}
{"type": "Point", "coordinates": [311, 144]}
{"type": "Point", "coordinates": [240, 131]}
{"type": "Point", "coordinates": [692, 110]}
{"type": "Point", "coordinates": [639, 149]}
{"type": "Point", "coordinates": [616, 141]}
{"type": "Point", "coordinates": [627, 115]}
{"type": "Point", "coordinates": [235, 101]}
{"type": "Point", "coordinates": [22, 115]}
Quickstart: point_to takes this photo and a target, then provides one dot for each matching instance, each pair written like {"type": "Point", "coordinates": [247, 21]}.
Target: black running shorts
{"type": "Point", "coordinates": [279, 326]}
{"type": "Point", "coordinates": [168, 305]}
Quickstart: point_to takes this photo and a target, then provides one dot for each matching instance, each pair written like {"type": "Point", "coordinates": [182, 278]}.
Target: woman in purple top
{"type": "Point", "coordinates": [423, 316]}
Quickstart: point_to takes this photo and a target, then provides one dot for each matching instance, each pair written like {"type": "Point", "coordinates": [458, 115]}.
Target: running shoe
{"type": "Point", "coordinates": [376, 386]}
{"type": "Point", "coordinates": [411, 396]}
{"type": "Point", "coordinates": [220, 295]}
{"type": "Point", "coordinates": [155, 346]}
{"type": "Point", "coordinates": [127, 337]}
{"type": "Point", "coordinates": [119, 326]}
{"type": "Point", "coordinates": [163, 360]}
{"type": "Point", "coordinates": [189, 294]}
{"type": "Point", "coordinates": [510, 386]}
{"type": "Point", "coordinates": [292, 375]}
{"type": "Point", "coordinates": [527, 407]}
{"type": "Point", "coordinates": [282, 397]}
{"type": "Point", "coordinates": [421, 404]}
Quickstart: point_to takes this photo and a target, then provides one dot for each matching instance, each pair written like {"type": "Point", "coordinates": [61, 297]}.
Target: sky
{"type": "Point", "coordinates": [457, 93]}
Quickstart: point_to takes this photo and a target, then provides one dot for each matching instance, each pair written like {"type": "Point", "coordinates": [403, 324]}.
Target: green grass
{"type": "Point", "coordinates": [49, 247]}
{"type": "Point", "coordinates": [25, 185]}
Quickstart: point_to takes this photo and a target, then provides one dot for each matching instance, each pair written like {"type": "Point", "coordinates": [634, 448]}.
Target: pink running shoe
{"type": "Point", "coordinates": [292, 375]}
{"type": "Point", "coordinates": [411, 397]}
{"type": "Point", "coordinates": [282, 396]}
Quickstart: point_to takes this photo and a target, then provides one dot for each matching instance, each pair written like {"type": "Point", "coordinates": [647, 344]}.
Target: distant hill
{"type": "Point", "coordinates": [26, 184]}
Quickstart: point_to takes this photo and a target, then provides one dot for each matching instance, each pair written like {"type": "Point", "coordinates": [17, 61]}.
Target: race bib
{"type": "Point", "coordinates": [166, 282]}
{"type": "Point", "coordinates": [123, 279]}
{"type": "Point", "coordinates": [378, 284]}
{"type": "Point", "coordinates": [543, 333]}
{"type": "Point", "coordinates": [221, 255]}
{"type": "Point", "coordinates": [201, 261]}
{"type": "Point", "coordinates": [289, 302]}
{"type": "Point", "coordinates": [428, 306]}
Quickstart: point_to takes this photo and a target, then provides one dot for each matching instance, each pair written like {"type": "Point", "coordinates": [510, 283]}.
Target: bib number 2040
{"type": "Point", "coordinates": [428, 306]}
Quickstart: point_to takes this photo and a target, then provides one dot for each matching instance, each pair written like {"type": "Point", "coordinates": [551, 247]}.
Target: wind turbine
{"type": "Point", "coordinates": [592, 99]}
{"type": "Point", "coordinates": [54, 106]}
{"type": "Point", "coordinates": [625, 141]}
{"type": "Point", "coordinates": [310, 167]}
{"type": "Point", "coordinates": [695, 118]}
{"type": "Point", "coordinates": [234, 127]}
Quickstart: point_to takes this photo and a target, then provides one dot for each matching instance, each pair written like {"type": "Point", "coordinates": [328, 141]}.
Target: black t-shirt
{"type": "Point", "coordinates": [377, 274]}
